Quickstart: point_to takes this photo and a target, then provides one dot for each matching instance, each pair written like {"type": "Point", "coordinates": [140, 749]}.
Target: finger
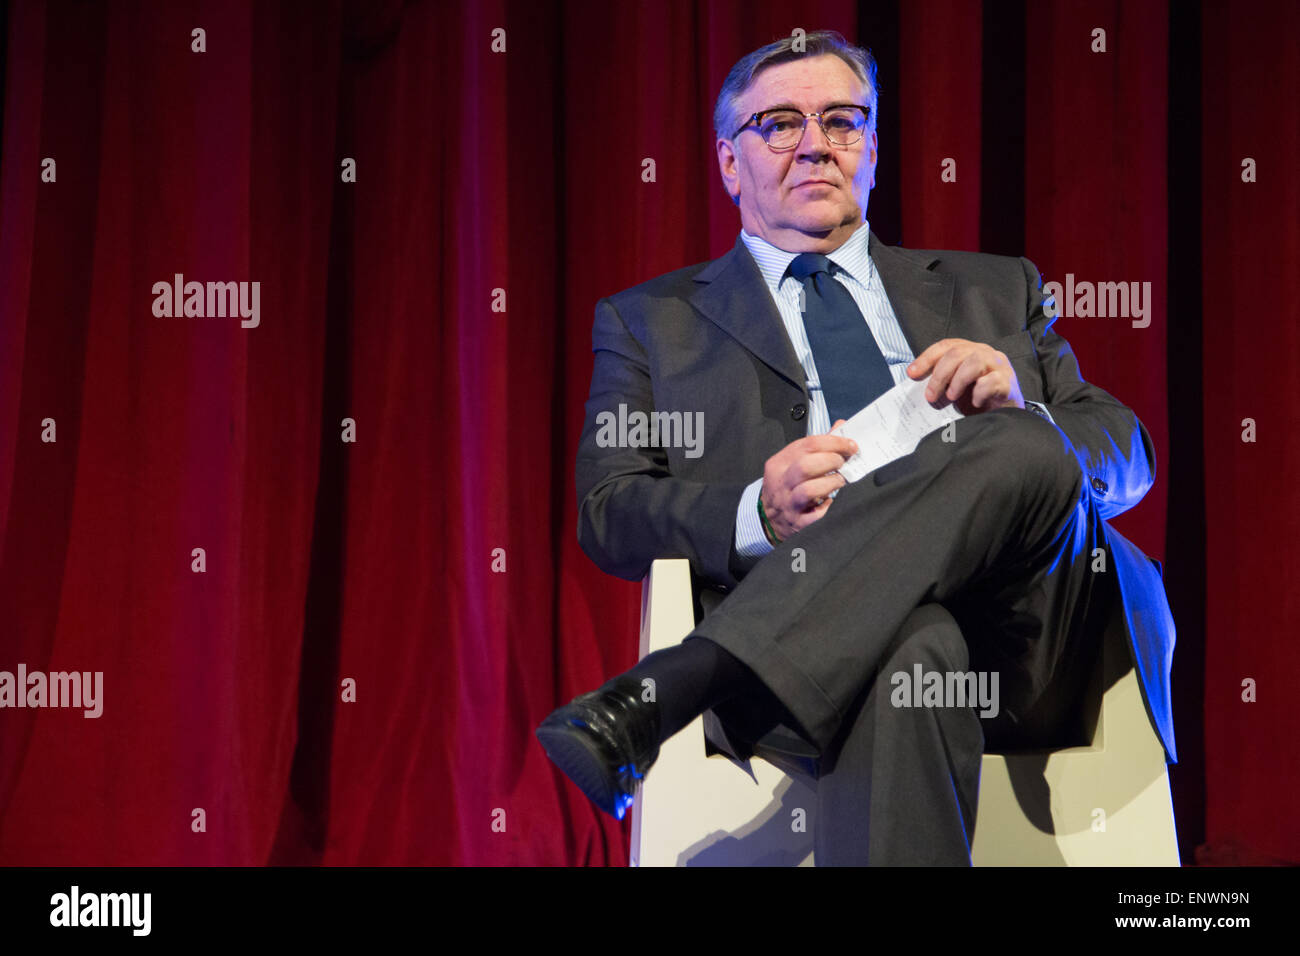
{"type": "Point", "coordinates": [924, 362]}
{"type": "Point", "coordinates": [992, 390]}
{"type": "Point", "coordinates": [835, 444]}
{"type": "Point", "coordinates": [812, 515]}
{"type": "Point", "coordinates": [813, 466]}
{"type": "Point", "coordinates": [970, 371]}
{"type": "Point", "coordinates": [808, 493]}
{"type": "Point", "coordinates": [936, 388]}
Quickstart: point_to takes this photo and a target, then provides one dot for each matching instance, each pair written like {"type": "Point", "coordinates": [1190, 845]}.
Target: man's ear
{"type": "Point", "coordinates": [872, 156]}
{"type": "Point", "coordinates": [729, 166]}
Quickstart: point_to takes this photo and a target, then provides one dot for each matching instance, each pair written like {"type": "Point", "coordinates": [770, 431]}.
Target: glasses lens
{"type": "Point", "coordinates": [782, 129]}
{"type": "Point", "coordinates": [844, 125]}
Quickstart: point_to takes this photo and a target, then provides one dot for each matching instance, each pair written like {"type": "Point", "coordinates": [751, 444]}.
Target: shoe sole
{"type": "Point", "coordinates": [578, 756]}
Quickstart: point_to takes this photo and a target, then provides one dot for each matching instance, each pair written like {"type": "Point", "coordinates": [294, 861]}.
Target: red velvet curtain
{"type": "Point", "coordinates": [1250, 249]}
{"type": "Point", "coordinates": [379, 474]}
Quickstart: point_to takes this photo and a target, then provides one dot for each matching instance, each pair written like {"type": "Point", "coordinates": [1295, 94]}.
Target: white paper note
{"type": "Point", "coordinates": [891, 427]}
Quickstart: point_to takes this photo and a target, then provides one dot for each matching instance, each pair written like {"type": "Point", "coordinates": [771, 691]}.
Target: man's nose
{"type": "Point", "coordinates": [813, 142]}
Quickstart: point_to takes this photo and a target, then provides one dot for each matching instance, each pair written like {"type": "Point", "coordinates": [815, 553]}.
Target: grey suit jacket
{"type": "Point", "coordinates": [709, 338]}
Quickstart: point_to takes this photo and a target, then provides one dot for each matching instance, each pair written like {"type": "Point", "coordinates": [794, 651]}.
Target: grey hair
{"type": "Point", "coordinates": [819, 42]}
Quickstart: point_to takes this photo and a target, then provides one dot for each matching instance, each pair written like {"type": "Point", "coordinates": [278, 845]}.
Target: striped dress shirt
{"type": "Point", "coordinates": [857, 273]}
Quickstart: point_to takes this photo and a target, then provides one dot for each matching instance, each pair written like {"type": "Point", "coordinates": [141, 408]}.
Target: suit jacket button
{"type": "Point", "coordinates": [1100, 486]}
{"type": "Point", "coordinates": [798, 412]}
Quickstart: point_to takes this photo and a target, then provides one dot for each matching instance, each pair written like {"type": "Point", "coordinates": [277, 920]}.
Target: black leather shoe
{"type": "Point", "coordinates": [604, 741]}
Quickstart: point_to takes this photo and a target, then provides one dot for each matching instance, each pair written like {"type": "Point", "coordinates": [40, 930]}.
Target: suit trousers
{"type": "Point", "coordinates": [977, 553]}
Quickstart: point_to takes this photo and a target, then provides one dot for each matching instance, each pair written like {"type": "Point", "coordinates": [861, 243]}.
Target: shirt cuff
{"type": "Point", "coordinates": [751, 542]}
{"type": "Point", "coordinates": [1040, 409]}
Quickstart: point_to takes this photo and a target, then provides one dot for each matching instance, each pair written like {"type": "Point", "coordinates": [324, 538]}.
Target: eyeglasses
{"type": "Point", "coordinates": [782, 129]}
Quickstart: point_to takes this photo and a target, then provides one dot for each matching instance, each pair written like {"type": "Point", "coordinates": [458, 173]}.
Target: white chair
{"type": "Point", "coordinates": [1106, 804]}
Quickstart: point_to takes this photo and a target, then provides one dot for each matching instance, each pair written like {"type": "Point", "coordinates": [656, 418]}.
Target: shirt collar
{"type": "Point", "coordinates": [852, 256]}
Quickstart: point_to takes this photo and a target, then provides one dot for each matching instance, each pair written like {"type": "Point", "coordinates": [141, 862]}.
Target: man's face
{"type": "Point", "coordinates": [777, 196]}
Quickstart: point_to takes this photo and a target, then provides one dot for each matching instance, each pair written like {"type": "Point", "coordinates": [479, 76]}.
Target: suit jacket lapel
{"type": "Point", "coordinates": [922, 299]}
{"type": "Point", "coordinates": [736, 299]}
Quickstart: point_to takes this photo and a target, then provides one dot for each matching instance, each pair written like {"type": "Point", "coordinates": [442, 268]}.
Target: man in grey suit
{"type": "Point", "coordinates": [985, 550]}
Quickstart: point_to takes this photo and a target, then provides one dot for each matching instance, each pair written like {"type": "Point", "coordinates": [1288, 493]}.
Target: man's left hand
{"type": "Point", "coordinates": [971, 375]}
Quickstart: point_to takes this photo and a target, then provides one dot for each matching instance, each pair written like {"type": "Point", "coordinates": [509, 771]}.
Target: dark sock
{"type": "Point", "coordinates": [691, 677]}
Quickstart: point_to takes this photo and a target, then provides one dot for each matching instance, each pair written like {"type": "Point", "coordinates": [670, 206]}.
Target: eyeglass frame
{"type": "Point", "coordinates": [755, 118]}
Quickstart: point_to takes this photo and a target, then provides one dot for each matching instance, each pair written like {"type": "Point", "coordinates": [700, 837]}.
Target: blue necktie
{"type": "Point", "coordinates": [850, 365]}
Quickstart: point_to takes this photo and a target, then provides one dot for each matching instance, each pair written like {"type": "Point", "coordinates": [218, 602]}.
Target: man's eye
{"type": "Point", "coordinates": [782, 122]}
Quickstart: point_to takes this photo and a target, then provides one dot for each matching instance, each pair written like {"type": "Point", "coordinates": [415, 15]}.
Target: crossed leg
{"type": "Point", "coordinates": [997, 526]}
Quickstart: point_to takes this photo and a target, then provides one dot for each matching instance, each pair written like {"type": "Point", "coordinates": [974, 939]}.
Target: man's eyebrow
{"type": "Point", "coordinates": [791, 106]}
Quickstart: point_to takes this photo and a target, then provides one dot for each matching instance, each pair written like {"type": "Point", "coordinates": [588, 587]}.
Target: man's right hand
{"type": "Point", "coordinates": [798, 480]}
